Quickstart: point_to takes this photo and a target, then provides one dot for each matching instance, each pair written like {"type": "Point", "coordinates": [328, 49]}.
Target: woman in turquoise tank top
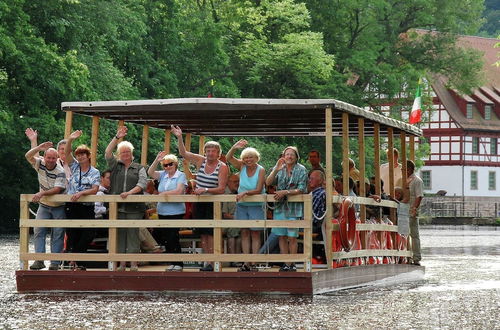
{"type": "Point", "coordinates": [252, 177]}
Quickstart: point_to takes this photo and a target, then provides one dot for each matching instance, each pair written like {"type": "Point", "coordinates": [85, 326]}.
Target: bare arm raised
{"type": "Point", "coordinates": [120, 133]}
{"type": "Point", "coordinates": [69, 148]}
{"type": "Point", "coordinates": [230, 154]}
{"type": "Point", "coordinates": [152, 172]}
{"type": "Point", "coordinates": [33, 152]}
{"type": "Point", "coordinates": [189, 156]}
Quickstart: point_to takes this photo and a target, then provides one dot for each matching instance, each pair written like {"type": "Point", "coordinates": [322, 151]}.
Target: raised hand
{"type": "Point", "coordinates": [160, 156]}
{"type": "Point", "coordinates": [31, 134]}
{"type": "Point", "coordinates": [121, 132]}
{"type": "Point", "coordinates": [240, 144]}
{"type": "Point", "coordinates": [280, 163]}
{"type": "Point", "coordinates": [76, 134]}
{"type": "Point", "coordinates": [176, 130]}
{"type": "Point", "coordinates": [46, 145]}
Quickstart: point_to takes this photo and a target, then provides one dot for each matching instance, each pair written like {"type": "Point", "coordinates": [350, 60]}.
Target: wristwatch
{"type": "Point", "coordinates": [206, 189]}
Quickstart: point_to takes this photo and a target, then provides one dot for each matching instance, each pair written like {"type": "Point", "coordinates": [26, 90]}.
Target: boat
{"type": "Point", "coordinates": [346, 267]}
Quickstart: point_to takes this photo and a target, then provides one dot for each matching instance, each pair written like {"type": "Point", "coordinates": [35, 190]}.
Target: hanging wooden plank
{"type": "Point", "coordinates": [144, 145]}
{"type": "Point", "coordinates": [94, 140]}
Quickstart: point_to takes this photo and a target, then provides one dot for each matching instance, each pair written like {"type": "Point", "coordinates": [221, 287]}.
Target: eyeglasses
{"type": "Point", "coordinates": [168, 164]}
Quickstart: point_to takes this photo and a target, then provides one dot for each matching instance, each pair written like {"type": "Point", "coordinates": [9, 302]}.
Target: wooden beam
{"type": "Point", "coordinates": [69, 124]}
{"type": "Point", "coordinates": [187, 144]}
{"type": "Point", "coordinates": [201, 146]}
{"type": "Point", "coordinates": [121, 123]}
{"type": "Point", "coordinates": [217, 236]}
{"type": "Point", "coordinates": [113, 234]}
{"type": "Point", "coordinates": [24, 233]}
{"type": "Point", "coordinates": [94, 140]}
{"type": "Point", "coordinates": [144, 145]}
{"type": "Point", "coordinates": [376, 157]}
{"type": "Point", "coordinates": [412, 148]}
{"type": "Point", "coordinates": [329, 186]}
{"type": "Point", "coordinates": [389, 186]}
{"type": "Point", "coordinates": [345, 153]}
{"type": "Point", "coordinates": [166, 145]}
{"type": "Point", "coordinates": [308, 235]}
{"type": "Point", "coordinates": [362, 160]}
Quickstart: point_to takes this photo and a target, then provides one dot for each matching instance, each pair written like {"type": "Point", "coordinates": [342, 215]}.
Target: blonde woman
{"type": "Point", "coordinates": [127, 178]}
{"type": "Point", "coordinates": [172, 182]}
{"type": "Point", "coordinates": [252, 177]}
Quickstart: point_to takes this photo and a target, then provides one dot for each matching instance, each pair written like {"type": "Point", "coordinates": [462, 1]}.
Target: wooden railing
{"type": "Point", "coordinates": [217, 224]}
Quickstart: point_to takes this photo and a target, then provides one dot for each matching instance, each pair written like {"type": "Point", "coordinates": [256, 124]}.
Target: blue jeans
{"type": "Point", "coordinates": [270, 245]}
{"type": "Point", "coordinates": [56, 235]}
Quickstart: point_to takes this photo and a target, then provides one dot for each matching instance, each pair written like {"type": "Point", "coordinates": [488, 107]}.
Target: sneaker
{"type": "Point", "coordinates": [292, 268]}
{"type": "Point", "coordinates": [284, 268]}
{"type": "Point", "coordinates": [207, 268]}
{"type": "Point", "coordinates": [54, 267]}
{"type": "Point", "coordinates": [37, 265]}
{"type": "Point", "coordinates": [174, 268]}
{"type": "Point", "coordinates": [244, 268]}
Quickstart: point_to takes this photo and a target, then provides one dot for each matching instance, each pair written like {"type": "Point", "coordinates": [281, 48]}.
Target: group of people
{"type": "Point", "coordinates": [63, 171]}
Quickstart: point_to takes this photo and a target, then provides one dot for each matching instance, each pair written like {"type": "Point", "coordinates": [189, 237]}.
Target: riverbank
{"type": "Point", "coordinates": [459, 221]}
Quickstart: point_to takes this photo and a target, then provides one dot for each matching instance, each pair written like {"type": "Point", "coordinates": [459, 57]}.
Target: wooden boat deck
{"type": "Point", "coordinates": [229, 280]}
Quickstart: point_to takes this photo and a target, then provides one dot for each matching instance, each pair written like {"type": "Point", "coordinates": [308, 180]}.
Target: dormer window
{"type": "Point", "coordinates": [487, 112]}
{"type": "Point", "coordinates": [469, 110]}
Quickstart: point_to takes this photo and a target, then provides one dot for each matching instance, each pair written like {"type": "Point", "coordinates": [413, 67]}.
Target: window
{"type": "Point", "coordinates": [487, 112]}
{"type": "Point", "coordinates": [475, 145]}
{"type": "Point", "coordinates": [469, 110]}
{"type": "Point", "coordinates": [473, 180]}
{"type": "Point", "coordinates": [426, 178]}
{"type": "Point", "coordinates": [494, 146]}
{"type": "Point", "coordinates": [492, 181]}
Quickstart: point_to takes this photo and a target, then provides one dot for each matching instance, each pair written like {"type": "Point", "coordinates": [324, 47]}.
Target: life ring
{"type": "Point", "coordinates": [347, 224]}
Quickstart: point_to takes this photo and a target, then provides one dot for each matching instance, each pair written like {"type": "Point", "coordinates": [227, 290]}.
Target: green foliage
{"type": "Point", "coordinates": [70, 50]}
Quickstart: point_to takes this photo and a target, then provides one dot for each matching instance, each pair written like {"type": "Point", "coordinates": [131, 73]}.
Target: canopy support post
{"type": "Point", "coordinates": [94, 140]}
{"type": "Point", "coordinates": [327, 222]}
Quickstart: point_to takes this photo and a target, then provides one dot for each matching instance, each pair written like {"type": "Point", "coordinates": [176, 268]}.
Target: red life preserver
{"type": "Point", "coordinates": [347, 223]}
{"type": "Point", "coordinates": [336, 246]}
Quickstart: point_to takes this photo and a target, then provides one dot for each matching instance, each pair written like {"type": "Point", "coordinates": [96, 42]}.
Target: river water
{"type": "Point", "coordinates": [461, 290]}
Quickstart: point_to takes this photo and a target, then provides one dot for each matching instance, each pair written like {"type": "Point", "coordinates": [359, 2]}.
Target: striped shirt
{"type": "Point", "coordinates": [48, 179]}
{"type": "Point", "coordinates": [205, 180]}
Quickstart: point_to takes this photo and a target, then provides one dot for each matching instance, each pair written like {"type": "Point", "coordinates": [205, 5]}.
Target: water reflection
{"type": "Point", "coordinates": [461, 290]}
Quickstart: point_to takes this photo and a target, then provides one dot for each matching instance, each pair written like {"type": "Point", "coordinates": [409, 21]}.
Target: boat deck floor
{"type": "Point", "coordinates": [154, 278]}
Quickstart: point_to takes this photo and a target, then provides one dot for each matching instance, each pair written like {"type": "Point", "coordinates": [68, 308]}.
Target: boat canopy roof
{"type": "Point", "coordinates": [241, 117]}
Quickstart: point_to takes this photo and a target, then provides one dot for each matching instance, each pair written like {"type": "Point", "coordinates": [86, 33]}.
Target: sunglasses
{"type": "Point", "coordinates": [168, 164]}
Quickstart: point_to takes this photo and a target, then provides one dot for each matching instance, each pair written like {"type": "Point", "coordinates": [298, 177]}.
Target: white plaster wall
{"type": "Point", "coordinates": [449, 178]}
